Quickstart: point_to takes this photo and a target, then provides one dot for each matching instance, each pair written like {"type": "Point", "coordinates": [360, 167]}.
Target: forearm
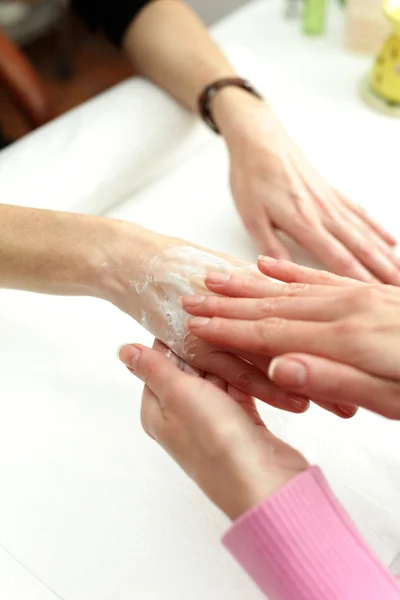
{"type": "Point", "coordinates": [59, 253]}
{"type": "Point", "coordinates": [168, 44]}
{"type": "Point", "coordinates": [300, 543]}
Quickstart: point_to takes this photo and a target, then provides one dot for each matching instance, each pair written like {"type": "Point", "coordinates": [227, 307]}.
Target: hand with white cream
{"type": "Point", "coordinates": [147, 278]}
{"type": "Point", "coordinates": [142, 273]}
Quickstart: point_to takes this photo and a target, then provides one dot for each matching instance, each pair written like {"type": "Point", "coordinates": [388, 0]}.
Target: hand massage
{"type": "Point", "coordinates": [274, 387]}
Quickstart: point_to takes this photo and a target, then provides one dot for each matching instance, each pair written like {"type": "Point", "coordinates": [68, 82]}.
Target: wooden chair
{"type": "Point", "coordinates": [23, 83]}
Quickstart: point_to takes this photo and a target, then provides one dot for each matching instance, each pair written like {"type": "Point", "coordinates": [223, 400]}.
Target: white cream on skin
{"type": "Point", "coordinates": [178, 271]}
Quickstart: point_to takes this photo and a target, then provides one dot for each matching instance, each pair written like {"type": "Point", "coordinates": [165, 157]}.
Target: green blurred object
{"type": "Point", "coordinates": [314, 17]}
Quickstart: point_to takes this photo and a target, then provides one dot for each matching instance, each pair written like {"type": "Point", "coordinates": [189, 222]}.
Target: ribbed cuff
{"type": "Point", "coordinates": [301, 544]}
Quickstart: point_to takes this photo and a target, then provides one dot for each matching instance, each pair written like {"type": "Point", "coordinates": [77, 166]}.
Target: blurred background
{"type": "Point", "coordinates": [69, 64]}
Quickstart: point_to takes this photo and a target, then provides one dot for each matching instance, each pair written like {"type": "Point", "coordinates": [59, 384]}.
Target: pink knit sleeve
{"type": "Point", "coordinates": [300, 544]}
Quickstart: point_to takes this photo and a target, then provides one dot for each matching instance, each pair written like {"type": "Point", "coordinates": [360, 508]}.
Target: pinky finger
{"type": "Point", "coordinates": [333, 383]}
{"type": "Point", "coordinates": [341, 410]}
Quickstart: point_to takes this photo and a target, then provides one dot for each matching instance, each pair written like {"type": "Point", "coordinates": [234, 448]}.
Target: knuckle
{"type": "Point", "coordinates": [242, 380]}
{"type": "Point", "coordinates": [345, 263]}
{"type": "Point", "coordinates": [370, 295]}
{"type": "Point", "coordinates": [263, 329]}
{"type": "Point", "coordinates": [344, 328]}
{"type": "Point", "coordinates": [245, 283]}
{"type": "Point", "coordinates": [366, 250]}
{"type": "Point", "coordinates": [149, 372]}
{"type": "Point", "coordinates": [359, 300]}
{"type": "Point", "coordinates": [293, 289]}
{"type": "Point", "coordinates": [326, 277]}
{"type": "Point", "coordinates": [267, 307]}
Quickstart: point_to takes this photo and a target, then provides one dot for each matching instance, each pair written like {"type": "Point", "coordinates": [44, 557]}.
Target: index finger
{"type": "Point", "coordinates": [290, 272]}
{"type": "Point", "coordinates": [242, 287]}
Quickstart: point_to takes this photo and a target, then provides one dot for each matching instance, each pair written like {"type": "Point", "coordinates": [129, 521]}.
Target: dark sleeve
{"type": "Point", "coordinates": [112, 16]}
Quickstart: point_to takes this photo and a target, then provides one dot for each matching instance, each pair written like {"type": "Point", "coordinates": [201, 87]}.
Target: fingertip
{"type": "Point", "coordinates": [346, 412]}
{"type": "Point", "coordinates": [288, 372]}
{"type": "Point", "coordinates": [272, 368]}
{"type": "Point", "coordinates": [268, 260]}
{"type": "Point", "coordinates": [129, 354]}
{"type": "Point", "coordinates": [188, 302]}
{"type": "Point", "coordinates": [390, 239]}
{"type": "Point", "coordinates": [120, 351]}
{"type": "Point", "coordinates": [299, 404]}
{"type": "Point", "coordinates": [216, 279]}
{"type": "Point", "coordinates": [198, 322]}
{"type": "Point", "coordinates": [266, 264]}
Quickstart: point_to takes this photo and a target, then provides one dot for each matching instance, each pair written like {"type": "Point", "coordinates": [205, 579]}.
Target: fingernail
{"type": "Point", "coordinates": [266, 259]}
{"type": "Point", "coordinates": [287, 372]}
{"type": "Point", "coordinates": [298, 404]}
{"type": "Point", "coordinates": [191, 301]}
{"type": "Point", "coordinates": [198, 322]}
{"type": "Point", "coordinates": [347, 411]}
{"type": "Point", "coordinates": [217, 278]}
{"type": "Point", "coordinates": [128, 355]}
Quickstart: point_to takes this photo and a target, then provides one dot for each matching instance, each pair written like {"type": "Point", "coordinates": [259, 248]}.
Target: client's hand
{"type": "Point", "coordinates": [220, 442]}
{"type": "Point", "coordinates": [336, 339]}
{"type": "Point", "coordinates": [167, 268]}
{"type": "Point", "coordinates": [276, 188]}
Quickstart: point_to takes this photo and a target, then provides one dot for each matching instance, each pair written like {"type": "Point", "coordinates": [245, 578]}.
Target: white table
{"type": "Point", "coordinates": [90, 508]}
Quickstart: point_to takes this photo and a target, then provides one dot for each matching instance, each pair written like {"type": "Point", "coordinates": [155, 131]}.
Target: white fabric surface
{"type": "Point", "coordinates": [89, 506]}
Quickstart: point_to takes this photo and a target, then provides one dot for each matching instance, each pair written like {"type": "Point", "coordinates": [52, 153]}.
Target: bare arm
{"type": "Point", "coordinates": [59, 253]}
{"type": "Point", "coordinates": [169, 44]}
{"type": "Point", "coordinates": [140, 272]}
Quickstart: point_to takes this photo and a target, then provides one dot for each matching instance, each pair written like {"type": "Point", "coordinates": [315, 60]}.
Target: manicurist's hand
{"type": "Point", "coordinates": [275, 188]}
{"type": "Point", "coordinates": [334, 339]}
{"type": "Point", "coordinates": [219, 440]}
{"type": "Point", "coordinates": [146, 278]}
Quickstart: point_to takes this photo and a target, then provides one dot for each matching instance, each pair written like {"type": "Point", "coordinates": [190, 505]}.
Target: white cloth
{"type": "Point", "coordinates": [90, 506]}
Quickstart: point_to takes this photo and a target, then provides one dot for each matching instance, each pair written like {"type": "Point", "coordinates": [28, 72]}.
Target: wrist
{"type": "Point", "coordinates": [100, 257]}
{"type": "Point", "coordinates": [255, 483]}
{"type": "Point", "coordinates": [251, 496]}
{"type": "Point", "coordinates": [128, 274]}
{"type": "Point", "coordinates": [234, 111]}
{"type": "Point", "coordinates": [127, 250]}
